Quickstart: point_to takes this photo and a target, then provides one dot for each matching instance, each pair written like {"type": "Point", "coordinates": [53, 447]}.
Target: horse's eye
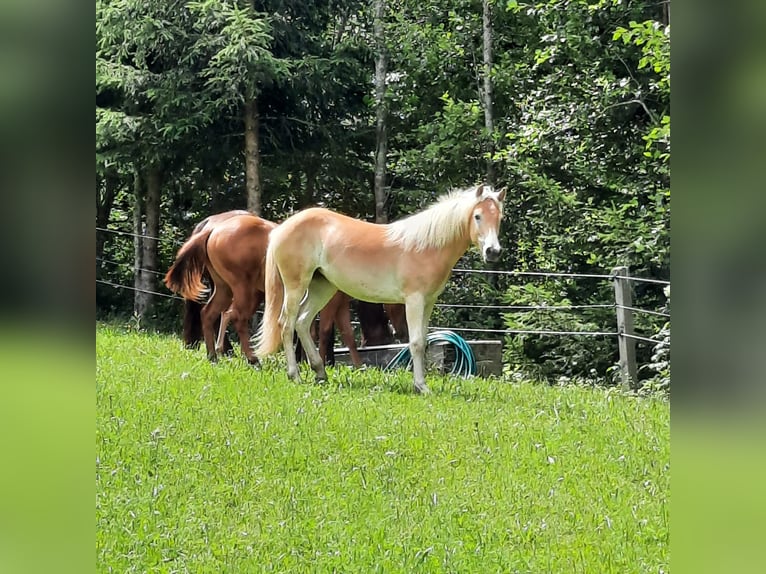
{"type": "Point", "coordinates": [477, 216]}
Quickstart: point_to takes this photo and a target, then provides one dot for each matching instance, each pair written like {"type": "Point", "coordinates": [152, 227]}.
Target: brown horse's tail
{"type": "Point", "coordinates": [269, 336]}
{"type": "Point", "coordinates": [185, 275]}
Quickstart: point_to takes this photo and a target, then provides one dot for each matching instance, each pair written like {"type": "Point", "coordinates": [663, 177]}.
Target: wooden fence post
{"type": "Point", "coordinates": [623, 296]}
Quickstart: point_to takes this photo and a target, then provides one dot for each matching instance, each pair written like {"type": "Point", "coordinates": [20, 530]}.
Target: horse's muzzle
{"type": "Point", "coordinates": [492, 254]}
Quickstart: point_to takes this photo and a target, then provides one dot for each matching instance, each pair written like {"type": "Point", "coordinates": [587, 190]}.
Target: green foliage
{"type": "Point", "coordinates": [587, 147]}
{"type": "Point", "coordinates": [238, 40]}
{"type": "Point", "coordinates": [556, 358]}
{"type": "Point", "coordinates": [206, 468]}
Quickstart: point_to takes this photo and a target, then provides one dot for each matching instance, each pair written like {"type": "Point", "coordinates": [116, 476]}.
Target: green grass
{"type": "Point", "coordinates": [222, 468]}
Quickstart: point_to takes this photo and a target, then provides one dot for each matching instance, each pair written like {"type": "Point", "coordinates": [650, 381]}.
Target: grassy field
{"type": "Point", "coordinates": [222, 468]}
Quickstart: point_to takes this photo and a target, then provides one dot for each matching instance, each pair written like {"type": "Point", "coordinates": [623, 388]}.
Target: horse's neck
{"type": "Point", "coordinates": [454, 250]}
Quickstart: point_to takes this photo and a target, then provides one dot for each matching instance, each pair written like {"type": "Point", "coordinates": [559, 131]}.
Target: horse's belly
{"type": "Point", "coordinates": [366, 284]}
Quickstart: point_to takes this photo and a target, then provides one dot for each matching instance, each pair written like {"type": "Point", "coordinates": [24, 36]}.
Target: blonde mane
{"type": "Point", "coordinates": [440, 224]}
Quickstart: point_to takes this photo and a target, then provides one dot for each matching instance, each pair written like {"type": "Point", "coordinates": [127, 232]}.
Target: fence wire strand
{"type": "Point", "coordinates": [528, 332]}
{"type": "Point", "coordinates": [641, 279]}
{"type": "Point", "coordinates": [118, 286]}
{"type": "Point", "coordinates": [646, 311]}
{"type": "Point", "coordinates": [130, 234]}
{"type": "Point", "coordinates": [129, 266]}
{"type": "Point", "coordinates": [525, 307]}
{"type": "Point", "coordinates": [640, 338]}
{"type": "Point", "coordinates": [534, 273]}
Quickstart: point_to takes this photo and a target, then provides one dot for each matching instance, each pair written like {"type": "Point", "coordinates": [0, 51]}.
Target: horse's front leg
{"type": "Point", "coordinates": [418, 313]}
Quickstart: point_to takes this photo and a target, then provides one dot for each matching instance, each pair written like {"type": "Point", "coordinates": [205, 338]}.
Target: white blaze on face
{"type": "Point", "coordinates": [490, 244]}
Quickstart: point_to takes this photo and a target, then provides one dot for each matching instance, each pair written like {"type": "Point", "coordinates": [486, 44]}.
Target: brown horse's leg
{"type": "Point", "coordinates": [326, 336]}
{"type": "Point", "coordinates": [243, 310]}
{"type": "Point", "coordinates": [343, 321]}
{"type": "Point", "coordinates": [192, 333]}
{"type": "Point", "coordinates": [398, 319]}
{"type": "Point", "coordinates": [220, 343]}
{"type": "Point", "coordinates": [218, 303]}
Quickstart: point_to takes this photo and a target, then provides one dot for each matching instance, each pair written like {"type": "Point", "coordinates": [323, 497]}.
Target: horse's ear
{"type": "Point", "coordinates": [501, 195]}
{"type": "Point", "coordinates": [480, 190]}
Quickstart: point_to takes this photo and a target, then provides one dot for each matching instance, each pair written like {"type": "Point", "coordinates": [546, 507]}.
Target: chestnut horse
{"type": "Point", "coordinates": [381, 324]}
{"type": "Point", "coordinates": [192, 329]}
{"type": "Point", "coordinates": [231, 250]}
{"type": "Point", "coordinates": [317, 252]}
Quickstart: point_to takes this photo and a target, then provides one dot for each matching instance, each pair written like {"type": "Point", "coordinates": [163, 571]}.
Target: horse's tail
{"type": "Point", "coordinates": [185, 275]}
{"type": "Point", "coordinates": [269, 336]}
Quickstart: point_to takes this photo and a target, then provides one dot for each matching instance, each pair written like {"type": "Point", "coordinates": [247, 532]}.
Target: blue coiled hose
{"type": "Point", "coordinates": [465, 361]}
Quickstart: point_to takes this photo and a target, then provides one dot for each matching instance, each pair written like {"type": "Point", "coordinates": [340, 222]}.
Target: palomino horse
{"type": "Point", "coordinates": [317, 252]}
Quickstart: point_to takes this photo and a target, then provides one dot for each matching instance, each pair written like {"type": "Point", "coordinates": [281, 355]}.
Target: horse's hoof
{"type": "Point", "coordinates": [422, 389]}
{"type": "Point", "coordinates": [212, 358]}
{"type": "Point", "coordinates": [254, 362]}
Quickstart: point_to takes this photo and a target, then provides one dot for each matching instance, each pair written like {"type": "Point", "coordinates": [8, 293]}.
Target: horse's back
{"type": "Point", "coordinates": [242, 227]}
{"type": "Point", "coordinates": [220, 218]}
{"type": "Point", "coordinates": [237, 248]}
{"type": "Point", "coordinates": [320, 225]}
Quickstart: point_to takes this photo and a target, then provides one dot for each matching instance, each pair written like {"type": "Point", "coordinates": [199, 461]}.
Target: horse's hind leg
{"type": "Point", "coordinates": [398, 319]}
{"type": "Point", "coordinates": [192, 333]}
{"type": "Point", "coordinates": [343, 321]}
{"type": "Point", "coordinates": [242, 311]}
{"type": "Point", "coordinates": [218, 303]}
{"type": "Point", "coordinates": [220, 342]}
{"type": "Point", "coordinates": [327, 319]}
{"type": "Point", "coordinates": [326, 336]}
{"type": "Point", "coordinates": [288, 318]}
{"type": "Point", "coordinates": [320, 291]}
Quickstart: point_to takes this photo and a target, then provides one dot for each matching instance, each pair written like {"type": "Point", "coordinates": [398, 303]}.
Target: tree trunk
{"type": "Point", "coordinates": [486, 92]}
{"type": "Point", "coordinates": [139, 303]}
{"type": "Point", "coordinates": [381, 113]}
{"type": "Point", "coordinates": [252, 157]}
{"type": "Point", "coordinates": [146, 273]}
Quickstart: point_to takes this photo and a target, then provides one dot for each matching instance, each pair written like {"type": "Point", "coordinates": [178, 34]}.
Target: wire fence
{"type": "Point", "coordinates": [622, 305]}
{"type": "Point", "coordinates": [608, 276]}
{"type": "Point", "coordinates": [128, 287]}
